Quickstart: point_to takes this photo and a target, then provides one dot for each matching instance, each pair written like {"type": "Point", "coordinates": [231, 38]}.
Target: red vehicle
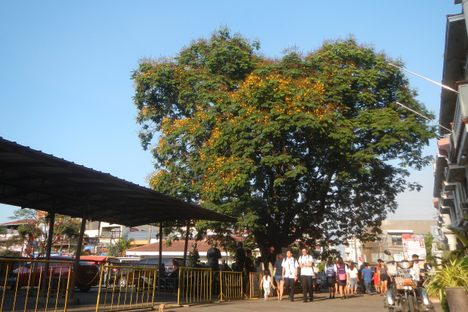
{"type": "Point", "coordinates": [54, 273]}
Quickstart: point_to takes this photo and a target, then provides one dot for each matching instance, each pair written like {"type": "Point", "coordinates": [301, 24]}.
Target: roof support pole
{"type": "Point", "coordinates": [186, 242]}
{"type": "Point", "coordinates": [77, 257]}
{"type": "Point", "coordinates": [160, 268]}
{"type": "Point", "coordinates": [50, 234]}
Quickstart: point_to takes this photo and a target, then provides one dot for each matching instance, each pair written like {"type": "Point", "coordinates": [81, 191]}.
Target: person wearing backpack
{"type": "Point", "coordinates": [330, 271]}
{"type": "Point", "coordinates": [341, 277]}
{"type": "Point", "coordinates": [290, 266]}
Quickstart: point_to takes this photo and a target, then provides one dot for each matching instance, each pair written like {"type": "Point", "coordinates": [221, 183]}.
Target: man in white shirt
{"type": "Point", "coordinates": [416, 269]}
{"type": "Point", "coordinates": [306, 263]}
{"type": "Point", "coordinates": [290, 266]}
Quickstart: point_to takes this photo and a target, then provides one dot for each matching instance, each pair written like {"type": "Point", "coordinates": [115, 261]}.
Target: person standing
{"type": "Point", "coordinates": [249, 262]}
{"type": "Point", "coordinates": [270, 258]}
{"type": "Point", "coordinates": [330, 271]}
{"type": "Point", "coordinates": [306, 263]}
{"type": "Point", "coordinates": [391, 271]}
{"type": "Point", "coordinates": [376, 279]}
{"type": "Point", "coordinates": [249, 267]}
{"type": "Point", "coordinates": [213, 255]}
{"type": "Point", "coordinates": [290, 266]}
{"type": "Point", "coordinates": [367, 277]}
{"type": "Point", "coordinates": [383, 277]}
{"type": "Point", "coordinates": [240, 257]}
{"type": "Point", "coordinates": [278, 276]}
{"type": "Point", "coordinates": [341, 272]}
{"type": "Point", "coordinates": [353, 279]}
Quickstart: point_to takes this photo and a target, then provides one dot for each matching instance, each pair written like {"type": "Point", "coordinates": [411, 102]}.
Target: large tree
{"type": "Point", "coordinates": [301, 147]}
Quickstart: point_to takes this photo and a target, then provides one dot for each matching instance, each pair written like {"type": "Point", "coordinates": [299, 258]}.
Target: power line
{"type": "Point", "coordinates": [423, 77]}
{"type": "Point", "coordinates": [423, 116]}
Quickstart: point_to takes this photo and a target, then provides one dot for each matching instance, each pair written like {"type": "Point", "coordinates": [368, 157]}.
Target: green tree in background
{"type": "Point", "coordinates": [120, 246]}
{"type": "Point", "coordinates": [66, 230]}
{"type": "Point", "coordinates": [302, 147]}
{"type": "Point", "coordinates": [428, 242]}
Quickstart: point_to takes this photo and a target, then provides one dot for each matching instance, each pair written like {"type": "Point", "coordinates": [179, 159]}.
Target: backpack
{"type": "Point", "coordinates": [341, 272]}
{"type": "Point", "coordinates": [331, 271]}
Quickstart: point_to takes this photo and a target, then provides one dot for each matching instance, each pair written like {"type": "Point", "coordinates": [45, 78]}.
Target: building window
{"type": "Point", "coordinates": [396, 240]}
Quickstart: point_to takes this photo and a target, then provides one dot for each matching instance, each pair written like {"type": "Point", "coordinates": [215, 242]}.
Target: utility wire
{"type": "Point", "coordinates": [423, 116]}
{"type": "Point", "coordinates": [423, 77]}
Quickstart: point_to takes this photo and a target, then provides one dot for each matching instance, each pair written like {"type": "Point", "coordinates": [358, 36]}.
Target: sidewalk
{"type": "Point", "coordinates": [320, 303]}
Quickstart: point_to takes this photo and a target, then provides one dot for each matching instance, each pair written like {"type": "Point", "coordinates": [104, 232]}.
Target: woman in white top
{"type": "Point", "coordinates": [353, 279]}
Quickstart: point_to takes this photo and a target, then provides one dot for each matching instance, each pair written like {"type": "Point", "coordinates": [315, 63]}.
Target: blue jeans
{"type": "Point", "coordinates": [368, 286]}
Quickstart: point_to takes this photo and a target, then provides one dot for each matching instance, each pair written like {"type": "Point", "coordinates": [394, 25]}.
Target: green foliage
{"type": "Point", "coordinates": [30, 230]}
{"type": "Point", "coordinates": [26, 213]}
{"type": "Point", "coordinates": [452, 274]}
{"type": "Point", "coordinates": [66, 229]}
{"type": "Point", "coordinates": [120, 246]}
{"type": "Point", "coordinates": [193, 256]}
{"type": "Point", "coordinates": [428, 242]}
{"type": "Point", "coordinates": [303, 147]}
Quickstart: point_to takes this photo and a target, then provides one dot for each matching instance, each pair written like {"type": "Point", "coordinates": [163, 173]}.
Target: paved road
{"type": "Point", "coordinates": [321, 303]}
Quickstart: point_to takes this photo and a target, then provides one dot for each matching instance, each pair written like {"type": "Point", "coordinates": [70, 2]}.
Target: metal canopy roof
{"type": "Point", "coordinates": [32, 179]}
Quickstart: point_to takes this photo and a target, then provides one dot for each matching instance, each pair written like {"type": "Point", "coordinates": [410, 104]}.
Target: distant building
{"type": "Point", "coordinates": [174, 250]}
{"type": "Point", "coordinates": [402, 238]}
{"type": "Point", "coordinates": [7, 240]}
{"type": "Point", "coordinates": [450, 172]}
{"type": "Point", "coordinates": [101, 235]}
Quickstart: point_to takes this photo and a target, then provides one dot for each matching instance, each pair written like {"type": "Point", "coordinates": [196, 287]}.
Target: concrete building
{"type": "Point", "coordinates": [175, 250]}
{"type": "Point", "coordinates": [402, 238]}
{"type": "Point", "coordinates": [101, 235]}
{"type": "Point", "coordinates": [451, 167]}
{"type": "Point", "coordinates": [10, 240]}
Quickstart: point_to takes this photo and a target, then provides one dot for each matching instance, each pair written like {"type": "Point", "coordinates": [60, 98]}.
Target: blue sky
{"type": "Point", "coordinates": [65, 84]}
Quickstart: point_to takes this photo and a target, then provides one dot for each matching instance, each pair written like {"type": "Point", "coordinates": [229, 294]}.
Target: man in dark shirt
{"type": "Point", "coordinates": [213, 255]}
{"type": "Point", "coordinates": [240, 257]}
{"type": "Point", "coordinates": [249, 261]}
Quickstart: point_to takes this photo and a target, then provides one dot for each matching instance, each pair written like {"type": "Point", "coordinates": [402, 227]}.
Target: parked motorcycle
{"type": "Point", "coordinates": [404, 294]}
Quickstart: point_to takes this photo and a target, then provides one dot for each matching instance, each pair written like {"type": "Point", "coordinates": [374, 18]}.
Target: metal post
{"type": "Point", "coordinates": [77, 256]}
{"type": "Point", "coordinates": [150, 231]}
{"type": "Point", "coordinates": [355, 251]}
{"type": "Point", "coordinates": [160, 271]}
{"type": "Point", "coordinates": [51, 217]}
{"type": "Point", "coordinates": [186, 242]}
{"type": "Point", "coordinates": [98, 244]}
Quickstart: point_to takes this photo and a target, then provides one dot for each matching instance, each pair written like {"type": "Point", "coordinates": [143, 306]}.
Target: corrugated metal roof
{"type": "Point", "coordinates": [33, 179]}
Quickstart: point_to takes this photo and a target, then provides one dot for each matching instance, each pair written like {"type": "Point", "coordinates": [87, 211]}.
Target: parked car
{"type": "Point", "coordinates": [33, 273]}
{"type": "Point", "coordinates": [117, 270]}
